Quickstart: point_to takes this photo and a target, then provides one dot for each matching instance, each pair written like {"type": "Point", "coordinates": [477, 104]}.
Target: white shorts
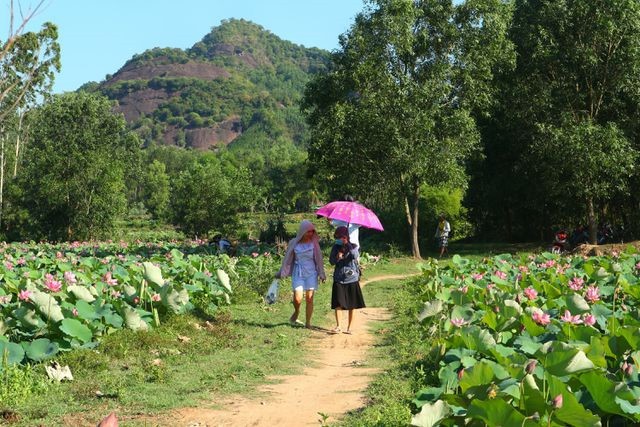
{"type": "Point", "coordinates": [309, 283]}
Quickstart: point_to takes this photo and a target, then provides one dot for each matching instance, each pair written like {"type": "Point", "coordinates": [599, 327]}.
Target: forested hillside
{"type": "Point", "coordinates": [240, 79]}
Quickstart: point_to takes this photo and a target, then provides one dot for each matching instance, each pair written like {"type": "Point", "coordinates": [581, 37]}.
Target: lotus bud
{"type": "Point", "coordinates": [531, 366]}
{"type": "Point", "coordinates": [460, 374]}
{"type": "Point", "coordinates": [627, 368]}
{"type": "Point", "coordinates": [558, 401]}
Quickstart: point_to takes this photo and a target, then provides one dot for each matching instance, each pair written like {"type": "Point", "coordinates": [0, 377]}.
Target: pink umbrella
{"type": "Point", "coordinates": [351, 212]}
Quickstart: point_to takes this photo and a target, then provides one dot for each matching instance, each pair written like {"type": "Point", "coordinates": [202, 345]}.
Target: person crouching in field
{"type": "Point", "coordinates": [303, 262]}
{"type": "Point", "coordinates": [346, 293]}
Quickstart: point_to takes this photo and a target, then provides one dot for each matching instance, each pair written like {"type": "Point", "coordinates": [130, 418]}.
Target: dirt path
{"type": "Point", "coordinates": [333, 386]}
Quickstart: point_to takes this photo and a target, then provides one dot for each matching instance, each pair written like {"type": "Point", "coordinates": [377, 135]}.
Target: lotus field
{"type": "Point", "coordinates": [56, 298]}
{"type": "Point", "coordinates": [540, 340]}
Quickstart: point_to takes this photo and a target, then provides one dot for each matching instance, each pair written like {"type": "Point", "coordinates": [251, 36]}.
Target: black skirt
{"type": "Point", "coordinates": [347, 297]}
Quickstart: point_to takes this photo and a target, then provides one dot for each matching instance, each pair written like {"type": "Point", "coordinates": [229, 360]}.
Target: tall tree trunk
{"type": "Point", "coordinates": [2, 137]}
{"type": "Point", "coordinates": [18, 135]}
{"type": "Point", "coordinates": [591, 216]}
{"type": "Point", "coordinates": [508, 224]}
{"type": "Point", "coordinates": [411, 211]}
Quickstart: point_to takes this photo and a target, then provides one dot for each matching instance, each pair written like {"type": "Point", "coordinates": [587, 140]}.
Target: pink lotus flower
{"type": "Point", "coordinates": [530, 293]}
{"type": "Point", "coordinates": [255, 254]}
{"type": "Point", "coordinates": [568, 318]}
{"type": "Point", "coordinates": [477, 276]}
{"type": "Point", "coordinates": [109, 280]}
{"type": "Point", "coordinates": [21, 261]}
{"type": "Point", "coordinates": [501, 274]}
{"type": "Point", "coordinates": [24, 295]}
{"type": "Point", "coordinates": [638, 266]}
{"type": "Point", "coordinates": [627, 368]}
{"type": "Point", "coordinates": [589, 319]}
{"type": "Point", "coordinates": [576, 283]}
{"type": "Point", "coordinates": [491, 286]}
{"type": "Point", "coordinates": [523, 269]}
{"type": "Point", "coordinates": [8, 265]}
{"type": "Point", "coordinates": [593, 294]}
{"type": "Point", "coordinates": [136, 300]}
{"type": "Point", "coordinates": [116, 294]}
{"type": "Point", "coordinates": [457, 322]}
{"type": "Point", "coordinates": [155, 297]}
{"type": "Point", "coordinates": [74, 311]}
{"type": "Point", "coordinates": [464, 289]}
{"type": "Point", "coordinates": [70, 278]}
{"type": "Point", "coordinates": [460, 374]}
{"type": "Point", "coordinates": [52, 284]}
{"type": "Point", "coordinates": [540, 317]}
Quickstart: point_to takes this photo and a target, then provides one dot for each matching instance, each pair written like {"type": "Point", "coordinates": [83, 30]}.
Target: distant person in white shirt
{"type": "Point", "coordinates": [442, 234]}
{"type": "Point", "coordinates": [354, 229]}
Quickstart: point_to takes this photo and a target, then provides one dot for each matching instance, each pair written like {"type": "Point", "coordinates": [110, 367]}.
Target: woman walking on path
{"type": "Point", "coordinates": [303, 262]}
{"type": "Point", "coordinates": [346, 293]}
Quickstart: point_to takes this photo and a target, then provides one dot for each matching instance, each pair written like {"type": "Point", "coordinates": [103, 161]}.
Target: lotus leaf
{"type": "Point", "coordinates": [133, 320]}
{"type": "Point", "coordinates": [431, 414]}
{"type": "Point", "coordinates": [13, 352]}
{"type": "Point", "coordinates": [41, 349]}
{"type": "Point", "coordinates": [430, 309]}
{"type": "Point", "coordinates": [75, 329]}
{"type": "Point", "coordinates": [572, 412]}
{"type": "Point", "coordinates": [152, 274]}
{"type": "Point", "coordinates": [576, 304]}
{"type": "Point", "coordinates": [480, 374]}
{"type": "Point", "coordinates": [81, 293]}
{"type": "Point", "coordinates": [561, 362]}
{"type": "Point", "coordinates": [47, 305]}
{"type": "Point", "coordinates": [496, 412]}
{"type": "Point", "coordinates": [223, 277]}
{"type": "Point", "coordinates": [28, 318]}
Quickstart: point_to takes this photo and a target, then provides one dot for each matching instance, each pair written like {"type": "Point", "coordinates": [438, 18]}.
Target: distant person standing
{"type": "Point", "coordinates": [442, 234]}
{"type": "Point", "coordinates": [303, 262]}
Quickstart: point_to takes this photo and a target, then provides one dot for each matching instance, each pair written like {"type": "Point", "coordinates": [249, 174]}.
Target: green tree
{"type": "Point", "coordinates": [394, 114]}
{"type": "Point", "coordinates": [208, 194]}
{"type": "Point", "coordinates": [578, 68]}
{"type": "Point", "coordinates": [156, 190]}
{"type": "Point", "coordinates": [28, 61]}
{"type": "Point", "coordinates": [73, 180]}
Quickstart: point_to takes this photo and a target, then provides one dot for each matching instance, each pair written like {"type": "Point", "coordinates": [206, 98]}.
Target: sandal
{"type": "Point", "coordinates": [335, 330]}
{"type": "Point", "coordinates": [295, 322]}
{"type": "Point", "coordinates": [348, 332]}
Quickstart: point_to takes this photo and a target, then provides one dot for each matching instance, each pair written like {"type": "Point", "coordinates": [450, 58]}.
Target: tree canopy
{"type": "Point", "coordinates": [394, 113]}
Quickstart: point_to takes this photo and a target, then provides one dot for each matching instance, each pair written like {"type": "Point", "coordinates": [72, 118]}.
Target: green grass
{"type": "Point", "coordinates": [136, 373]}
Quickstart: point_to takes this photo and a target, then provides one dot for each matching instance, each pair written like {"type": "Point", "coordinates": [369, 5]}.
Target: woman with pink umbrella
{"type": "Point", "coordinates": [346, 293]}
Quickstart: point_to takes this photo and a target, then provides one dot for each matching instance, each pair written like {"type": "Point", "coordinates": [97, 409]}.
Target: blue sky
{"type": "Point", "coordinates": [98, 36]}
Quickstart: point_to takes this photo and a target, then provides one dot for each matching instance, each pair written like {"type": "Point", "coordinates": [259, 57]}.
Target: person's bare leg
{"type": "Point", "coordinates": [309, 308]}
{"type": "Point", "coordinates": [338, 312]}
{"type": "Point", "coordinates": [297, 301]}
{"type": "Point", "coordinates": [350, 320]}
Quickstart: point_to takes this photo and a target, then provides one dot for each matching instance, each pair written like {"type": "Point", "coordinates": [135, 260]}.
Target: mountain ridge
{"type": "Point", "coordinates": [238, 76]}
